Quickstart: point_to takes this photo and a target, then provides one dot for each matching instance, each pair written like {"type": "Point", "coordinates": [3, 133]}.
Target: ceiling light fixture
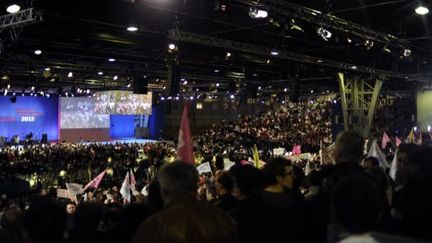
{"type": "Point", "coordinates": [70, 75]}
{"type": "Point", "coordinates": [407, 53]}
{"type": "Point", "coordinates": [47, 69]}
{"type": "Point", "coordinates": [132, 27]}
{"type": "Point", "coordinates": [111, 59]}
{"type": "Point", "coordinates": [257, 13]}
{"type": "Point", "coordinates": [100, 73]}
{"type": "Point", "coordinates": [14, 8]}
{"type": "Point", "coordinates": [421, 10]}
{"type": "Point", "coordinates": [274, 53]}
{"type": "Point", "coordinates": [172, 46]}
{"type": "Point", "coordinates": [325, 34]}
{"type": "Point", "coordinates": [37, 52]}
{"type": "Point", "coordinates": [115, 77]}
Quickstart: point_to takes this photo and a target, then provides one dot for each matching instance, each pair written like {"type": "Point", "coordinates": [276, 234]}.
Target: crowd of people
{"type": "Point", "coordinates": [352, 200]}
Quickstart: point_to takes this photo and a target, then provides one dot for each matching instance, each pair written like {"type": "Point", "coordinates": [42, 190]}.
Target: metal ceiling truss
{"type": "Point", "coordinates": [329, 21]}
{"type": "Point", "coordinates": [178, 35]}
{"type": "Point", "coordinates": [20, 19]}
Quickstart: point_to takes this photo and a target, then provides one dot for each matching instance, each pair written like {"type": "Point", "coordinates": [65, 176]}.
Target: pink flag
{"type": "Point", "coordinates": [96, 181]}
{"type": "Point", "coordinates": [398, 142]}
{"type": "Point", "coordinates": [296, 150]}
{"type": "Point", "coordinates": [184, 147]}
{"type": "Point", "coordinates": [385, 140]}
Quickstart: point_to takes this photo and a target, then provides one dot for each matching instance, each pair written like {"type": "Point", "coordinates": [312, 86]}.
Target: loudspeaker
{"type": "Point", "coordinates": [173, 80]}
{"type": "Point", "coordinates": [140, 85]}
{"type": "Point", "coordinates": [44, 138]}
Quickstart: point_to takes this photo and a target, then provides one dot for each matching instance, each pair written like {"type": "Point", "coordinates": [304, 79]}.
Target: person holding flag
{"type": "Point", "coordinates": [184, 147]}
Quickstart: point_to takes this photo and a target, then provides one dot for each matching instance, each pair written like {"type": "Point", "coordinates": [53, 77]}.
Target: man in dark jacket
{"type": "Point", "coordinates": [183, 218]}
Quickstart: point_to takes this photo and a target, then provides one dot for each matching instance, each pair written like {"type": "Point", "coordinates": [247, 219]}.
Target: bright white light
{"type": "Point", "coordinates": [312, 91]}
{"type": "Point", "coordinates": [228, 54]}
{"type": "Point", "coordinates": [128, 85]}
{"type": "Point", "coordinates": [325, 34]}
{"type": "Point", "coordinates": [354, 67]}
{"type": "Point", "coordinates": [132, 28]}
{"type": "Point", "coordinates": [334, 101]}
{"type": "Point", "coordinates": [47, 69]}
{"type": "Point", "coordinates": [259, 87]}
{"type": "Point", "coordinates": [407, 53]}
{"type": "Point", "coordinates": [33, 88]}
{"type": "Point", "coordinates": [5, 92]}
{"type": "Point", "coordinates": [191, 97]}
{"type": "Point", "coordinates": [42, 93]}
{"type": "Point", "coordinates": [8, 86]}
{"type": "Point", "coordinates": [319, 61]}
{"type": "Point", "coordinates": [67, 94]}
{"type": "Point", "coordinates": [274, 53]}
{"type": "Point", "coordinates": [37, 52]}
{"type": "Point", "coordinates": [171, 46]}
{"type": "Point", "coordinates": [115, 77]}
{"type": "Point", "coordinates": [216, 70]}
{"type": "Point", "coordinates": [13, 93]}
{"type": "Point", "coordinates": [286, 89]}
{"type": "Point", "coordinates": [429, 128]}
{"type": "Point", "coordinates": [94, 94]}
{"type": "Point", "coordinates": [255, 75]}
{"type": "Point", "coordinates": [177, 98]}
{"type": "Point", "coordinates": [13, 8]}
{"type": "Point", "coordinates": [100, 73]}
{"type": "Point", "coordinates": [70, 75]}
{"type": "Point", "coordinates": [111, 60]}
{"type": "Point", "coordinates": [88, 91]}
{"type": "Point", "coordinates": [256, 13]}
{"type": "Point", "coordinates": [232, 96]}
{"type": "Point", "coordinates": [48, 95]}
{"type": "Point", "coordinates": [421, 10]}
{"type": "Point", "coordinates": [415, 129]}
{"type": "Point", "coordinates": [217, 84]}
{"type": "Point", "coordinates": [349, 40]}
{"type": "Point", "coordinates": [22, 94]}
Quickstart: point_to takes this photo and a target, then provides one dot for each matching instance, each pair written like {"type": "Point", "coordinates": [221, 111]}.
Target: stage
{"type": "Point", "coordinates": [131, 140]}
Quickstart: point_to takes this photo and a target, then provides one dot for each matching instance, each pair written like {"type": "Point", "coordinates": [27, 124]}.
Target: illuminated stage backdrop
{"type": "Point", "coordinates": [37, 115]}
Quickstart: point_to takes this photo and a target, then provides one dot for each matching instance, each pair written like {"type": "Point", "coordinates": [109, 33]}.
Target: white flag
{"type": "Point", "coordinates": [128, 186]}
{"type": "Point", "coordinates": [204, 168]}
{"type": "Point", "coordinates": [376, 152]}
{"type": "Point", "coordinates": [393, 167]}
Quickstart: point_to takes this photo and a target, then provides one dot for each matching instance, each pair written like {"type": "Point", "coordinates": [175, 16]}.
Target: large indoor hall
{"type": "Point", "coordinates": [216, 121]}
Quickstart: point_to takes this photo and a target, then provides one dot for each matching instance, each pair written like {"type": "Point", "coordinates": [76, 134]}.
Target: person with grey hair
{"type": "Point", "coordinates": [184, 218]}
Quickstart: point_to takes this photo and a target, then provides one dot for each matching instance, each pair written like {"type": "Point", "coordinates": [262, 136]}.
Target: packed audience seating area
{"type": "Point", "coordinates": [353, 199]}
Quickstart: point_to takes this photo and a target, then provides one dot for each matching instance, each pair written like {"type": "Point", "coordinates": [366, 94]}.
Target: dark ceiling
{"type": "Point", "coordinates": [79, 36]}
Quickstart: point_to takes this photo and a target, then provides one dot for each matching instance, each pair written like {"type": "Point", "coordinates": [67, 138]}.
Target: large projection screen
{"type": "Point", "coordinates": [123, 102]}
{"type": "Point", "coordinates": [79, 112]}
{"type": "Point", "coordinates": [424, 109]}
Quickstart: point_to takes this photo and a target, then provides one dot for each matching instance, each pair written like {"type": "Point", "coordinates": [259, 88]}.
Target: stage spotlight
{"type": "Point", "coordinates": [33, 88]}
{"type": "Point", "coordinates": [216, 70]}
{"type": "Point", "coordinates": [407, 53]}
{"type": "Point", "coordinates": [257, 13]}
{"type": "Point", "coordinates": [132, 27]}
{"type": "Point", "coordinates": [232, 96]}
{"type": "Point", "coordinates": [421, 10]}
{"type": "Point", "coordinates": [354, 67]}
{"type": "Point", "coordinates": [47, 69]}
{"type": "Point", "coordinates": [172, 46]}
{"type": "Point", "coordinates": [129, 85]}
{"type": "Point", "coordinates": [273, 53]}
{"type": "Point", "coordinates": [111, 59]}
{"type": "Point", "coordinates": [217, 84]}
{"type": "Point", "coordinates": [14, 8]}
{"type": "Point", "coordinates": [37, 52]}
{"type": "Point", "coordinates": [8, 86]}
{"type": "Point", "coordinates": [349, 40]}
{"type": "Point", "coordinates": [268, 61]}
{"type": "Point", "coordinates": [115, 77]}
{"type": "Point", "coordinates": [70, 75]}
{"type": "Point", "coordinates": [325, 34]}
{"type": "Point", "coordinates": [228, 55]}
{"type": "Point", "coordinates": [100, 73]}
{"type": "Point", "coordinates": [369, 44]}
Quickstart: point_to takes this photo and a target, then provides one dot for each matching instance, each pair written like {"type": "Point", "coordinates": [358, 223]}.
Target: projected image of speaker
{"type": "Point", "coordinates": [140, 85]}
{"type": "Point", "coordinates": [173, 80]}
